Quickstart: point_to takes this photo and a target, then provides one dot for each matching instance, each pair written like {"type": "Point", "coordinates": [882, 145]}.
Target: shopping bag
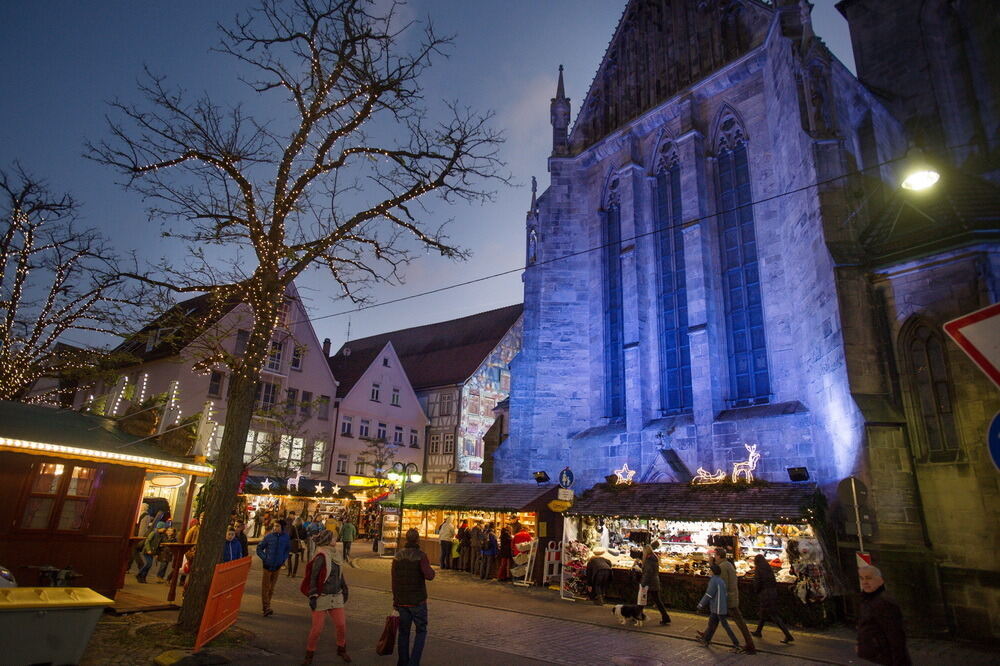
{"type": "Point", "coordinates": [643, 593]}
{"type": "Point", "coordinates": [387, 641]}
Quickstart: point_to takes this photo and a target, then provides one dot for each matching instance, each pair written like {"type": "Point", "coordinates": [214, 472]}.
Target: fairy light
{"type": "Point", "coordinates": [142, 391]}
{"type": "Point", "coordinates": [119, 392]}
{"type": "Point", "coordinates": [143, 461]}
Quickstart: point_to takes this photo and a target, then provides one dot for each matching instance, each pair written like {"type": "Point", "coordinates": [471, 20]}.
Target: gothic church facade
{"type": "Point", "coordinates": [722, 259]}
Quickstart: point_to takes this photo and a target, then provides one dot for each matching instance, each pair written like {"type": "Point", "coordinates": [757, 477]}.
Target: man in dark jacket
{"type": "Point", "coordinates": [410, 572]}
{"type": "Point", "coordinates": [231, 549]}
{"type": "Point", "coordinates": [242, 538]}
{"type": "Point", "coordinates": [880, 623]}
{"type": "Point", "coordinates": [598, 575]}
{"type": "Point", "coordinates": [273, 551]}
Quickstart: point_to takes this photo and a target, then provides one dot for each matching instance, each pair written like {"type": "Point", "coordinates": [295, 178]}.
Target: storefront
{"type": "Point", "coordinates": [277, 497]}
{"type": "Point", "coordinates": [427, 505]}
{"type": "Point", "coordinates": [770, 519]}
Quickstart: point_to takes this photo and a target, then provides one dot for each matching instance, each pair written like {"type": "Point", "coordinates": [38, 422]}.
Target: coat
{"type": "Point", "coordinates": [715, 598]}
{"type": "Point", "coordinates": [880, 630]}
{"type": "Point", "coordinates": [231, 550]}
{"type": "Point", "coordinates": [273, 550]}
{"type": "Point", "coordinates": [447, 531]}
{"type": "Point", "coordinates": [326, 581]}
{"type": "Point", "coordinates": [766, 588]}
{"type": "Point", "coordinates": [476, 538]}
{"type": "Point", "coordinates": [505, 545]}
{"type": "Point", "coordinates": [732, 583]}
{"type": "Point", "coordinates": [410, 572]}
{"type": "Point", "coordinates": [651, 573]}
{"type": "Point", "coordinates": [490, 546]}
{"type": "Point", "coordinates": [348, 532]}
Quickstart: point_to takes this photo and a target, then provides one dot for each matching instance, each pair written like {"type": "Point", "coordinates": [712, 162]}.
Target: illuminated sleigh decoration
{"type": "Point", "coordinates": [743, 468]}
{"type": "Point", "coordinates": [704, 478]}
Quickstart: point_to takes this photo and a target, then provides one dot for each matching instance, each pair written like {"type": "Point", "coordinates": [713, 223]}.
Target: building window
{"type": "Point", "coordinates": [449, 443]}
{"type": "Point", "coordinates": [267, 395]}
{"type": "Point", "coordinates": [283, 314]}
{"type": "Point", "coordinates": [291, 450]}
{"type": "Point", "coordinates": [445, 404]}
{"type": "Point", "coordinates": [385, 362]}
{"type": "Point", "coordinates": [341, 464]}
{"type": "Point", "coordinates": [414, 440]}
{"type": "Point", "coordinates": [345, 425]}
{"type": "Point", "coordinates": [319, 450]}
{"type": "Point", "coordinates": [59, 497]}
{"type": "Point", "coordinates": [305, 408]}
{"type": "Point", "coordinates": [242, 340]}
{"type": "Point", "coordinates": [291, 397]}
{"type": "Point", "coordinates": [215, 384]}
{"type": "Point", "coordinates": [376, 389]}
{"type": "Point", "coordinates": [676, 395]}
{"type": "Point", "coordinates": [435, 445]}
{"type": "Point", "coordinates": [257, 445]}
{"type": "Point", "coordinates": [363, 428]}
{"type": "Point", "coordinates": [932, 393]}
{"type": "Point", "coordinates": [297, 354]}
{"type": "Point", "coordinates": [397, 436]}
{"type": "Point", "coordinates": [614, 320]}
{"type": "Point", "coordinates": [273, 362]}
{"type": "Point", "coordinates": [380, 432]}
{"type": "Point", "coordinates": [395, 397]}
{"type": "Point", "coordinates": [749, 381]}
{"type": "Point", "coordinates": [359, 467]}
{"type": "Point", "coordinates": [323, 408]}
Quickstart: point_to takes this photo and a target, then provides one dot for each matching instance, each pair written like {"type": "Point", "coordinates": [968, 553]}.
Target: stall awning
{"type": "Point", "coordinates": [738, 503]}
{"type": "Point", "coordinates": [481, 496]}
{"type": "Point", "coordinates": [302, 487]}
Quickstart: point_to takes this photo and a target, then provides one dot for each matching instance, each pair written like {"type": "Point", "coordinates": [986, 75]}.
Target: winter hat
{"type": "Point", "coordinates": [323, 538]}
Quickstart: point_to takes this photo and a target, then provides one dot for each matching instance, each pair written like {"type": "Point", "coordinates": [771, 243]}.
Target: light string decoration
{"type": "Point", "coordinates": [623, 476]}
{"type": "Point", "coordinates": [743, 468]}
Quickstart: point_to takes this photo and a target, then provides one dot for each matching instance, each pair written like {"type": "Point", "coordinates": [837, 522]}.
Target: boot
{"type": "Point", "coordinates": [342, 653]}
{"type": "Point", "coordinates": [309, 658]}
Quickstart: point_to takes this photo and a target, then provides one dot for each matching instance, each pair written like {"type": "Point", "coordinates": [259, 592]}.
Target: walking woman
{"type": "Point", "coordinates": [651, 579]}
{"type": "Point", "coordinates": [766, 588]}
{"type": "Point", "coordinates": [296, 544]}
{"type": "Point", "coordinates": [327, 594]}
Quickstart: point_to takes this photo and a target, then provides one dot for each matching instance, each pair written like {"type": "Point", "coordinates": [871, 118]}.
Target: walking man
{"type": "Point", "coordinates": [728, 573]}
{"type": "Point", "coordinates": [272, 551]}
{"type": "Point", "coordinates": [410, 572]}
{"type": "Point", "coordinates": [348, 533]}
{"type": "Point", "coordinates": [880, 622]}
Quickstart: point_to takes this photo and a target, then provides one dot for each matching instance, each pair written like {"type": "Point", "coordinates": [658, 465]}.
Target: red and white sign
{"type": "Point", "coordinates": [978, 334]}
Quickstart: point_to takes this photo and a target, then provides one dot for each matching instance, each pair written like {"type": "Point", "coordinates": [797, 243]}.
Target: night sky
{"type": "Point", "coordinates": [64, 60]}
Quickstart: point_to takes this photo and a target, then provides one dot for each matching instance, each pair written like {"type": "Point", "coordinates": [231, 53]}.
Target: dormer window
{"type": "Point", "coordinates": [385, 362]}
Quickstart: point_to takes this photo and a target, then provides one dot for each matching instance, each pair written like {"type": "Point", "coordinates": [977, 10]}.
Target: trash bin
{"type": "Point", "coordinates": [47, 624]}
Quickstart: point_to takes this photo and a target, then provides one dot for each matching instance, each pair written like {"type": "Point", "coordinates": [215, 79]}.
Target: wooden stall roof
{"type": "Point", "coordinates": [738, 503]}
{"type": "Point", "coordinates": [484, 496]}
{"type": "Point", "coordinates": [74, 434]}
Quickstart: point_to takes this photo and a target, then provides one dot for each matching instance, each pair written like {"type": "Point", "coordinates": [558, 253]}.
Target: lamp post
{"type": "Point", "coordinates": [402, 473]}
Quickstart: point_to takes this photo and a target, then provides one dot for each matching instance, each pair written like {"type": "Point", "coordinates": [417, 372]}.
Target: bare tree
{"type": "Point", "coordinates": [55, 278]}
{"type": "Point", "coordinates": [338, 183]}
{"type": "Point", "coordinates": [379, 455]}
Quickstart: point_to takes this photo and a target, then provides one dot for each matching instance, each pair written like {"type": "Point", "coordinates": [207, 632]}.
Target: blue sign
{"type": "Point", "coordinates": [566, 477]}
{"type": "Point", "coordinates": [993, 440]}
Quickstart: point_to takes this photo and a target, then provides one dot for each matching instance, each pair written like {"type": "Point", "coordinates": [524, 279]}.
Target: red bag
{"type": "Point", "coordinates": [387, 641]}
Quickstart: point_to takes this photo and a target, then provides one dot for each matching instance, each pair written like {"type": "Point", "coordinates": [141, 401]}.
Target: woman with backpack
{"type": "Point", "coordinates": [326, 588]}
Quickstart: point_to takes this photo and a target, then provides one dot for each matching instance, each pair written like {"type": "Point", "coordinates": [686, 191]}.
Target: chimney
{"type": "Point", "coordinates": [326, 347]}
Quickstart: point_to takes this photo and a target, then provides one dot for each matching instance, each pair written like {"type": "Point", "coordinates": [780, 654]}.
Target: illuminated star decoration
{"type": "Point", "coordinates": [319, 488]}
{"type": "Point", "coordinates": [335, 489]}
{"type": "Point", "coordinates": [624, 474]}
{"type": "Point", "coordinates": [266, 485]}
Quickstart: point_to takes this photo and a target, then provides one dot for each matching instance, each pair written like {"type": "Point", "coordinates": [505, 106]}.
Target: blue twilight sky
{"type": "Point", "coordinates": [64, 59]}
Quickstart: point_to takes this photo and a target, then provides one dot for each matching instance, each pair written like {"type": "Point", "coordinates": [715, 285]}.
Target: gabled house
{"type": "Point", "coordinates": [459, 370]}
{"type": "Point", "coordinates": [380, 418]}
{"type": "Point", "coordinates": [293, 426]}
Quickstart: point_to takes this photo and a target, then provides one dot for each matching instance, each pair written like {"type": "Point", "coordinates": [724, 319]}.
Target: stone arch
{"type": "Point", "coordinates": [664, 153]}
{"type": "Point", "coordinates": [728, 130]}
{"type": "Point", "coordinates": [611, 193]}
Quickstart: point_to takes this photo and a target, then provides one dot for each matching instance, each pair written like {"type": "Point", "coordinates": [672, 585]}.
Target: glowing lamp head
{"type": "Point", "coordinates": [392, 476]}
{"type": "Point", "coordinates": [920, 179]}
{"type": "Point", "coordinates": [415, 478]}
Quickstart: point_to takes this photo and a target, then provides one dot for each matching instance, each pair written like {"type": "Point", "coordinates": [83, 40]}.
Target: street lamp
{"type": "Point", "coordinates": [919, 173]}
{"type": "Point", "coordinates": [402, 473]}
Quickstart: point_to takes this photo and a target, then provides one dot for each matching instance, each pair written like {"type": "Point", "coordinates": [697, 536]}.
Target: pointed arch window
{"type": "Point", "coordinates": [749, 380]}
{"type": "Point", "coordinates": [614, 322]}
{"type": "Point", "coordinates": [932, 394]}
{"type": "Point", "coordinates": [675, 354]}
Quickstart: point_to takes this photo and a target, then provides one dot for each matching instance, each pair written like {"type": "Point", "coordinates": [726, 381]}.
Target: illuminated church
{"type": "Point", "coordinates": [724, 259]}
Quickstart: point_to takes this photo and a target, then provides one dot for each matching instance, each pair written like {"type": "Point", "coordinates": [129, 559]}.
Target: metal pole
{"type": "Point", "coordinates": [399, 529]}
{"type": "Point", "coordinates": [857, 516]}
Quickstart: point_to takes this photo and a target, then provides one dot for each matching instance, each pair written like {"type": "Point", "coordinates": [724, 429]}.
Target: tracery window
{"type": "Point", "coordinates": [614, 322]}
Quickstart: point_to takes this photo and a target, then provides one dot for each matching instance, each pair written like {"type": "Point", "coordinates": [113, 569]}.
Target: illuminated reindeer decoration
{"type": "Point", "coordinates": [746, 467]}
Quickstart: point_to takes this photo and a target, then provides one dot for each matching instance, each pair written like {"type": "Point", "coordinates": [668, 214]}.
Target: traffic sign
{"type": "Point", "coordinates": [564, 494]}
{"type": "Point", "coordinates": [993, 440]}
{"type": "Point", "coordinates": [566, 478]}
{"type": "Point", "coordinates": [978, 334]}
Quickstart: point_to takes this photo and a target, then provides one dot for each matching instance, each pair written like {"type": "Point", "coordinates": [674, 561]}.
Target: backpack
{"type": "Point", "coordinates": [333, 570]}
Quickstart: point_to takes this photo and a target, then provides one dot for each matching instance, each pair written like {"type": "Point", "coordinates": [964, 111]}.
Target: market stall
{"type": "Point", "coordinates": [427, 505]}
{"type": "Point", "coordinates": [771, 519]}
{"type": "Point", "coordinates": [278, 497]}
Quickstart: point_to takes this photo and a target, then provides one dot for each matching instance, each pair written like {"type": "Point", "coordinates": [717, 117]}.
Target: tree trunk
{"type": "Point", "coordinates": [222, 494]}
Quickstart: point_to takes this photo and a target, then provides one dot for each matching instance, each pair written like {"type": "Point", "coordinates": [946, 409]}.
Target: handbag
{"type": "Point", "coordinates": [387, 641]}
{"type": "Point", "coordinates": [643, 593]}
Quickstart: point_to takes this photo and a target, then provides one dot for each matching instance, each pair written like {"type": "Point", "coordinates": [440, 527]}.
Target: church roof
{"type": "Point", "coordinates": [659, 48]}
{"type": "Point", "coordinates": [438, 354]}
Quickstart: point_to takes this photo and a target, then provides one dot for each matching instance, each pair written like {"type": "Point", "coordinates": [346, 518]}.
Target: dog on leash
{"type": "Point", "coordinates": [627, 612]}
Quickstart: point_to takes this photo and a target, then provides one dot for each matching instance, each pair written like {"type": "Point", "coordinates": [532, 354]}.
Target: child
{"type": "Point", "coordinates": [715, 601]}
{"type": "Point", "coordinates": [165, 556]}
{"type": "Point", "coordinates": [232, 549]}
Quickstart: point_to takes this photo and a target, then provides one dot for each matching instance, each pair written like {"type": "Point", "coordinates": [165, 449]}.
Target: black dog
{"type": "Point", "coordinates": [626, 612]}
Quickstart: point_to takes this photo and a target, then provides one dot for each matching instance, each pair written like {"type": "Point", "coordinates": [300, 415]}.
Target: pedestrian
{"type": "Point", "coordinates": [150, 549]}
{"type": "Point", "coordinates": [191, 537]}
{"type": "Point", "coordinates": [231, 547]}
{"type": "Point", "coordinates": [258, 518]}
{"type": "Point", "coordinates": [716, 601]}
{"type": "Point", "coordinates": [881, 638]}
{"type": "Point", "coordinates": [296, 544]}
{"type": "Point", "coordinates": [651, 579]}
{"type": "Point", "coordinates": [733, 597]}
{"type": "Point", "coordinates": [328, 594]}
{"type": "Point", "coordinates": [446, 532]}
{"type": "Point", "coordinates": [598, 575]}
{"type": "Point", "coordinates": [766, 588]}
{"type": "Point", "coordinates": [242, 538]}
{"type": "Point", "coordinates": [272, 551]}
{"type": "Point", "coordinates": [348, 533]}
{"type": "Point", "coordinates": [142, 530]}
{"type": "Point", "coordinates": [489, 552]}
{"type": "Point", "coordinates": [410, 572]}
{"type": "Point", "coordinates": [475, 546]}
{"type": "Point", "coordinates": [505, 556]}
{"type": "Point", "coordinates": [165, 555]}
{"type": "Point", "coordinates": [464, 540]}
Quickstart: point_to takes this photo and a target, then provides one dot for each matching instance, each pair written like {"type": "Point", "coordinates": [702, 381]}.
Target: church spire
{"type": "Point", "coordinates": [559, 111]}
